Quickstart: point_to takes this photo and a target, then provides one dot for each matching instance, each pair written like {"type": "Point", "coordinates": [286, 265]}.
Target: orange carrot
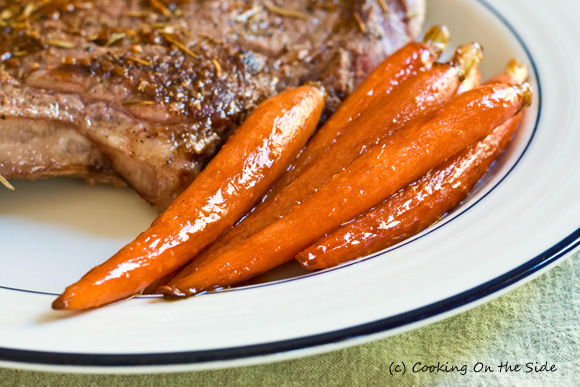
{"type": "Point", "coordinates": [370, 179]}
{"type": "Point", "coordinates": [254, 156]}
{"type": "Point", "coordinates": [392, 72]}
{"type": "Point", "coordinates": [412, 209]}
{"type": "Point", "coordinates": [421, 203]}
{"type": "Point", "coordinates": [419, 95]}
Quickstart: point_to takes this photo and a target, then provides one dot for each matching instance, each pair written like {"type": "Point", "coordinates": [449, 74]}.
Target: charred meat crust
{"type": "Point", "coordinates": [146, 91]}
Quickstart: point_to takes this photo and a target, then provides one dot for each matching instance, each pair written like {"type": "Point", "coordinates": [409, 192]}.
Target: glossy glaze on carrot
{"type": "Point", "coordinates": [389, 75]}
{"type": "Point", "coordinates": [370, 179]}
{"type": "Point", "coordinates": [254, 156]}
{"type": "Point", "coordinates": [419, 95]}
{"type": "Point", "coordinates": [422, 202]}
{"type": "Point", "coordinates": [412, 209]}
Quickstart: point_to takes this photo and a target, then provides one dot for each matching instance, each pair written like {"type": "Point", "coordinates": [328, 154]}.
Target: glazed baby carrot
{"type": "Point", "coordinates": [258, 151]}
{"type": "Point", "coordinates": [421, 203]}
{"type": "Point", "coordinates": [412, 209]}
{"type": "Point", "coordinates": [393, 71]}
{"type": "Point", "coordinates": [420, 94]}
{"type": "Point", "coordinates": [370, 179]}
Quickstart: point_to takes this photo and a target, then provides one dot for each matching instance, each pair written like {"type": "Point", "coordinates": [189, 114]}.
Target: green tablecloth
{"type": "Point", "coordinates": [538, 322]}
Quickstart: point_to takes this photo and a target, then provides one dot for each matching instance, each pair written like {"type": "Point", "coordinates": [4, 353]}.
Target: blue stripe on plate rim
{"type": "Point", "coordinates": [521, 272]}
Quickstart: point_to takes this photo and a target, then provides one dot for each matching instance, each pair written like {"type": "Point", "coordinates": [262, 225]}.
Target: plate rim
{"type": "Point", "coordinates": [471, 296]}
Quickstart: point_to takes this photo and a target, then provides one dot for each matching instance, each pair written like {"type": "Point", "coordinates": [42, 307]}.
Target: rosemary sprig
{"type": "Point", "coordinates": [383, 6]}
{"type": "Point", "coordinates": [218, 67]}
{"type": "Point", "coordinates": [285, 12]}
{"type": "Point", "coordinates": [6, 183]}
{"type": "Point", "coordinates": [138, 103]}
{"type": "Point", "coordinates": [137, 14]}
{"type": "Point", "coordinates": [178, 44]}
{"type": "Point", "coordinates": [162, 8]}
{"type": "Point", "coordinates": [359, 22]}
{"type": "Point", "coordinates": [138, 60]}
{"type": "Point", "coordinates": [115, 37]}
{"type": "Point", "coordinates": [60, 43]}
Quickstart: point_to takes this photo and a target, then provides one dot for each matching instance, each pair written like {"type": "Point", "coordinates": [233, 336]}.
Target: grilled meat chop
{"type": "Point", "coordinates": [144, 92]}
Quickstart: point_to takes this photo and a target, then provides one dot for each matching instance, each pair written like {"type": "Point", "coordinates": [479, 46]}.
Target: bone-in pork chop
{"type": "Point", "coordinates": [144, 92]}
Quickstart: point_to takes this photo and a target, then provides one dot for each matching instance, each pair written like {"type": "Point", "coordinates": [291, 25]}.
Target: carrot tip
{"type": "Point", "coordinates": [437, 38]}
{"type": "Point", "coordinates": [467, 57]}
{"type": "Point", "coordinates": [527, 94]}
{"type": "Point", "coordinates": [318, 86]}
{"type": "Point", "coordinates": [171, 292]}
{"type": "Point", "coordinates": [60, 303]}
{"type": "Point", "coordinates": [517, 70]}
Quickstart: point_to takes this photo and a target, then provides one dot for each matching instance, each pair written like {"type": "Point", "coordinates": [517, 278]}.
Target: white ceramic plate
{"type": "Point", "coordinates": [525, 218]}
